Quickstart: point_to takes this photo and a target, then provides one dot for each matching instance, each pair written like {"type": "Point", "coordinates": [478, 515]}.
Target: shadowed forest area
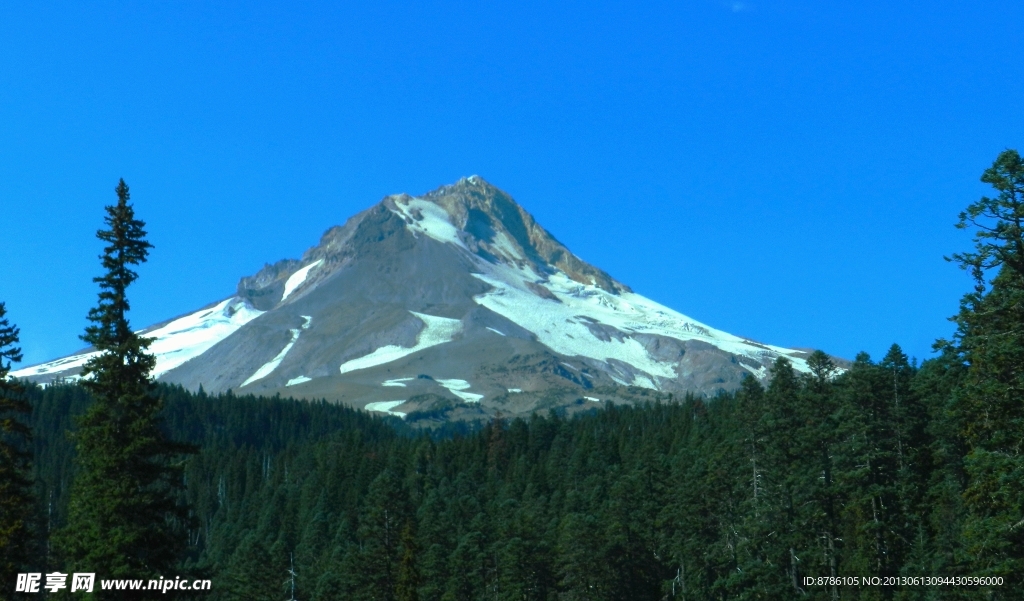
{"type": "Point", "coordinates": [742, 496]}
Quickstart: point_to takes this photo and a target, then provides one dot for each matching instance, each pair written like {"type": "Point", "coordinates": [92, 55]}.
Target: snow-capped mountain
{"type": "Point", "coordinates": [456, 303]}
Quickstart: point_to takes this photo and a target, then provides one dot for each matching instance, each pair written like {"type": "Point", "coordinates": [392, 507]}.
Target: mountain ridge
{"type": "Point", "coordinates": [460, 285]}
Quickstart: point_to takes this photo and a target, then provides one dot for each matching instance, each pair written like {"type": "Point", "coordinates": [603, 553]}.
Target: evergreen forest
{"type": "Point", "coordinates": [739, 497]}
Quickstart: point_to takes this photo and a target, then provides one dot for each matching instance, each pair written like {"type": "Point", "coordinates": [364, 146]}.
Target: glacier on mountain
{"type": "Point", "coordinates": [173, 343]}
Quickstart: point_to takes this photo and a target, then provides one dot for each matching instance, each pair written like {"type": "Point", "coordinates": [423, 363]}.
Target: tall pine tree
{"type": "Point", "coordinates": [123, 518]}
{"type": "Point", "coordinates": [988, 402]}
{"type": "Point", "coordinates": [15, 485]}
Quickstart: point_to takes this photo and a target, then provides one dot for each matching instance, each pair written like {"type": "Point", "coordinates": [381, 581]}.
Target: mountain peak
{"type": "Point", "coordinates": [454, 303]}
{"type": "Point", "coordinates": [494, 226]}
{"type": "Point", "coordinates": [471, 214]}
{"type": "Point", "coordinates": [464, 184]}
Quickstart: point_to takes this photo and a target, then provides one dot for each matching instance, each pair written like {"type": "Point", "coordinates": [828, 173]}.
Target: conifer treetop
{"type": "Point", "coordinates": [16, 500]}
{"type": "Point", "coordinates": [9, 353]}
{"type": "Point", "coordinates": [998, 222]}
{"type": "Point", "coordinates": [126, 246]}
{"type": "Point", "coordinates": [9, 403]}
{"type": "Point", "coordinates": [8, 338]}
{"type": "Point", "coordinates": [124, 358]}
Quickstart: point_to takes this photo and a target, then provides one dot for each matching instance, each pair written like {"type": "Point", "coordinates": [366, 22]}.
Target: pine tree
{"type": "Point", "coordinates": [786, 453]}
{"type": "Point", "coordinates": [123, 517]}
{"type": "Point", "coordinates": [382, 522]}
{"type": "Point", "coordinates": [252, 575]}
{"type": "Point", "coordinates": [987, 403]}
{"type": "Point", "coordinates": [874, 458]}
{"type": "Point", "coordinates": [998, 222]}
{"type": "Point", "coordinates": [16, 500]}
{"type": "Point", "coordinates": [408, 580]}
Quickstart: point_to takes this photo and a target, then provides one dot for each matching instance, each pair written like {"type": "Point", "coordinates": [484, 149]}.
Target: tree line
{"type": "Point", "coordinates": [887, 469]}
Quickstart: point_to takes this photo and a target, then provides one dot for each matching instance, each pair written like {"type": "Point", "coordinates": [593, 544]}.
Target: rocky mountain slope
{"type": "Point", "coordinates": [453, 305]}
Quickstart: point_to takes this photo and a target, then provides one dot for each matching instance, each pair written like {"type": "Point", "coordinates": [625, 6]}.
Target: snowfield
{"type": "Point", "coordinates": [458, 388]}
{"type": "Point", "coordinates": [297, 279]}
{"type": "Point", "coordinates": [271, 365]}
{"type": "Point", "coordinates": [385, 407]}
{"type": "Point", "coordinates": [429, 219]}
{"type": "Point", "coordinates": [437, 330]}
{"type": "Point", "coordinates": [567, 326]}
{"type": "Point", "coordinates": [174, 343]}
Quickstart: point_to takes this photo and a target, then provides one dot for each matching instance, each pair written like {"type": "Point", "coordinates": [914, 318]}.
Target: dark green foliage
{"type": "Point", "coordinates": [16, 499]}
{"type": "Point", "coordinates": [709, 499]}
{"type": "Point", "coordinates": [998, 222]}
{"type": "Point", "coordinates": [988, 400]}
{"type": "Point", "coordinates": [124, 518]}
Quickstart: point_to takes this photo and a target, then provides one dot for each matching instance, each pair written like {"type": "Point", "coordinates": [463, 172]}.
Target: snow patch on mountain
{"type": "Point", "coordinates": [190, 336]}
{"type": "Point", "coordinates": [587, 321]}
{"type": "Point", "coordinates": [271, 365]}
{"type": "Point", "coordinates": [298, 380]}
{"type": "Point", "coordinates": [424, 217]}
{"type": "Point", "coordinates": [505, 248]}
{"type": "Point", "coordinates": [436, 330]}
{"type": "Point", "coordinates": [59, 365]}
{"type": "Point", "coordinates": [458, 388]}
{"type": "Point", "coordinates": [297, 279]}
{"type": "Point", "coordinates": [760, 372]}
{"type": "Point", "coordinates": [173, 343]}
{"type": "Point", "coordinates": [560, 327]}
{"type": "Point", "coordinates": [385, 407]}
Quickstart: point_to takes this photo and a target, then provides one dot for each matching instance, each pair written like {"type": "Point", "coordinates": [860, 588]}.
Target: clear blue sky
{"type": "Point", "coordinates": [787, 171]}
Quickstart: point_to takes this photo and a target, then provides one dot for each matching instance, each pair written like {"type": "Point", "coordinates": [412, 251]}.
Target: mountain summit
{"type": "Point", "coordinates": [455, 304]}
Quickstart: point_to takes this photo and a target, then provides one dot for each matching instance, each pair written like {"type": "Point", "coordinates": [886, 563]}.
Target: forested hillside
{"type": "Point", "coordinates": [743, 496]}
